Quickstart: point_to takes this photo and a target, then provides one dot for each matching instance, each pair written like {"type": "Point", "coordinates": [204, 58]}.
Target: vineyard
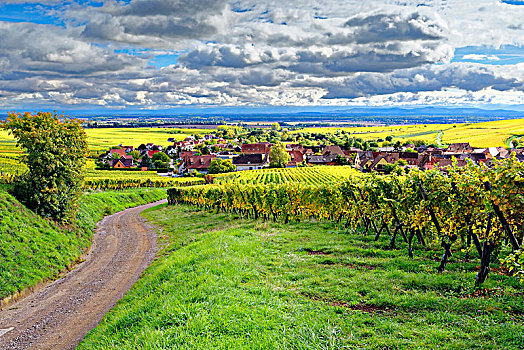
{"type": "Point", "coordinates": [474, 208]}
{"type": "Point", "coordinates": [122, 180]}
{"type": "Point", "coordinates": [305, 175]}
{"type": "Point", "coordinates": [119, 180]}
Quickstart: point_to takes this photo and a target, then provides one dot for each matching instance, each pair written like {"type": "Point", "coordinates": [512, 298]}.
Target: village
{"type": "Point", "coordinates": [193, 156]}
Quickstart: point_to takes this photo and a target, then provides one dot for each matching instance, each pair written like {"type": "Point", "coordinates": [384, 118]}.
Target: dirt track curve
{"type": "Point", "coordinates": [60, 315]}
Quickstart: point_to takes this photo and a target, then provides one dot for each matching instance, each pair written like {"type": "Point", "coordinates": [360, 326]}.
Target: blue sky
{"type": "Point", "coordinates": [149, 55]}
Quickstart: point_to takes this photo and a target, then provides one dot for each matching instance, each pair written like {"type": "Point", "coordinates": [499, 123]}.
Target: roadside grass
{"type": "Point", "coordinates": [221, 282]}
{"type": "Point", "coordinates": [34, 249]}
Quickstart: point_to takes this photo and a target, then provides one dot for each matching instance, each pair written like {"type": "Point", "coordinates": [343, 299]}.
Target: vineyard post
{"type": "Point", "coordinates": [503, 221]}
{"type": "Point", "coordinates": [486, 255]}
{"type": "Point", "coordinates": [359, 211]}
{"type": "Point", "coordinates": [444, 244]}
{"type": "Point", "coordinates": [398, 227]}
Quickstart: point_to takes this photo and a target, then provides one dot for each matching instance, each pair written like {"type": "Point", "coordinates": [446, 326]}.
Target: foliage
{"type": "Point", "coordinates": [55, 150]}
{"type": "Point", "coordinates": [279, 156]}
{"type": "Point", "coordinates": [303, 175]}
{"type": "Point", "coordinates": [218, 166]}
{"type": "Point", "coordinates": [146, 162]}
{"type": "Point", "coordinates": [121, 180]}
{"type": "Point", "coordinates": [161, 160]}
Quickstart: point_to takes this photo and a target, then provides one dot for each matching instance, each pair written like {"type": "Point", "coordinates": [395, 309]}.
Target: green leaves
{"type": "Point", "coordinates": [55, 151]}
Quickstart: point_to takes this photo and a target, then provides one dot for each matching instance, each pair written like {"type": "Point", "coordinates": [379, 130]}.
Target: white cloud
{"type": "Point", "coordinates": [262, 52]}
{"type": "Point", "coordinates": [479, 57]}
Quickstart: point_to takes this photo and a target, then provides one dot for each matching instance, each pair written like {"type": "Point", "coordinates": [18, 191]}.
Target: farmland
{"type": "Point", "coordinates": [104, 138]}
{"type": "Point", "coordinates": [487, 134]}
{"type": "Point", "coordinates": [306, 175]}
{"type": "Point", "coordinates": [111, 180]}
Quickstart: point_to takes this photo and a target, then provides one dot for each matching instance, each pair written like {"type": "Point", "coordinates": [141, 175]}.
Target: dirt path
{"type": "Point", "coordinates": [60, 315]}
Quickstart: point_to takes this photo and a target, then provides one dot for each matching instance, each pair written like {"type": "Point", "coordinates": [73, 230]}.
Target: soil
{"type": "Point", "coordinates": [60, 315]}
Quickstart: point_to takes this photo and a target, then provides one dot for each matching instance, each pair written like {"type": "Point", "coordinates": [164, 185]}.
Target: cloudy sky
{"type": "Point", "coordinates": [161, 54]}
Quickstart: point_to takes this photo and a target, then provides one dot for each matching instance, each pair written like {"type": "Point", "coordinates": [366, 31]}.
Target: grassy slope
{"type": "Point", "coordinates": [225, 283]}
{"type": "Point", "coordinates": [33, 249]}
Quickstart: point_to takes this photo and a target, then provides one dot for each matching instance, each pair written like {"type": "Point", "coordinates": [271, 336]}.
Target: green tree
{"type": "Point", "coordinates": [218, 166]}
{"type": "Point", "coordinates": [55, 151]}
{"type": "Point", "coordinates": [341, 160]}
{"type": "Point", "coordinates": [135, 154]}
{"type": "Point", "coordinates": [397, 147]}
{"type": "Point", "coordinates": [161, 160]}
{"type": "Point", "coordinates": [146, 162]}
{"type": "Point", "coordinates": [275, 126]}
{"type": "Point", "coordinates": [279, 156]}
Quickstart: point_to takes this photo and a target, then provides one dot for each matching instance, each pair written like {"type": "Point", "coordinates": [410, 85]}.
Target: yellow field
{"type": "Point", "coordinates": [102, 139]}
{"type": "Point", "coordinates": [477, 134]}
{"type": "Point", "coordinates": [485, 134]}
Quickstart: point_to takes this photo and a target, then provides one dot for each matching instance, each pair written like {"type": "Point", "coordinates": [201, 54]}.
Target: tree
{"type": "Point", "coordinates": [279, 156]}
{"type": "Point", "coordinates": [55, 151]}
{"type": "Point", "coordinates": [341, 160]}
{"type": "Point", "coordinates": [161, 160]}
{"type": "Point", "coordinates": [275, 126]}
{"type": "Point", "coordinates": [218, 166]}
{"type": "Point", "coordinates": [389, 138]}
{"type": "Point", "coordinates": [135, 155]}
{"type": "Point", "coordinates": [146, 162]}
{"type": "Point", "coordinates": [397, 147]}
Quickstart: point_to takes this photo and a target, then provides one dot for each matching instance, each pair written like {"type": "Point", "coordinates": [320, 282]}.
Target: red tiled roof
{"type": "Point", "coordinates": [199, 162]}
{"type": "Point", "coordinates": [120, 151]}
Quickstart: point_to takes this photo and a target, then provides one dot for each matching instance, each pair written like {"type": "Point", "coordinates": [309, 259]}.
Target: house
{"type": "Point", "coordinates": [150, 153]}
{"type": "Point", "coordinates": [475, 157]}
{"type": "Point", "coordinates": [426, 160]}
{"type": "Point", "coordinates": [463, 147]}
{"type": "Point", "coordinates": [256, 148]}
{"type": "Point", "coordinates": [119, 151]}
{"type": "Point", "coordinates": [379, 163]}
{"type": "Point", "coordinates": [249, 162]}
{"type": "Point", "coordinates": [297, 157]}
{"type": "Point", "coordinates": [124, 162]}
{"type": "Point", "coordinates": [294, 147]}
{"type": "Point", "coordinates": [330, 150]}
{"type": "Point", "coordinates": [197, 163]}
{"type": "Point", "coordinates": [171, 151]}
{"type": "Point", "coordinates": [127, 148]}
{"type": "Point", "coordinates": [316, 159]}
{"type": "Point", "coordinates": [445, 164]}
{"type": "Point", "coordinates": [364, 160]}
{"type": "Point", "coordinates": [409, 157]}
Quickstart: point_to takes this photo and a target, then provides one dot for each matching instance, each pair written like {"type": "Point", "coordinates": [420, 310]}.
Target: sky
{"type": "Point", "coordinates": [151, 55]}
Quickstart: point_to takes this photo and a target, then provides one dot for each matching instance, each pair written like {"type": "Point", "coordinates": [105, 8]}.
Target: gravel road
{"type": "Point", "coordinates": [60, 315]}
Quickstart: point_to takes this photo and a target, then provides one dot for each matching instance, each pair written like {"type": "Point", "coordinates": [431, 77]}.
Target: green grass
{"type": "Point", "coordinates": [33, 249]}
{"type": "Point", "coordinates": [221, 282]}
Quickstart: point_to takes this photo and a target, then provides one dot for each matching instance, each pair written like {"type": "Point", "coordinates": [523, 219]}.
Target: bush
{"type": "Point", "coordinates": [55, 153]}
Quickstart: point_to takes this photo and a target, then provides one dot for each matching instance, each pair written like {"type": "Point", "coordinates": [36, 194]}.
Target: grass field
{"type": "Point", "coordinates": [220, 282]}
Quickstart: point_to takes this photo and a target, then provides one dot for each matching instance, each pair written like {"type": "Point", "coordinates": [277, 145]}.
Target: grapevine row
{"type": "Point", "coordinates": [480, 206]}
